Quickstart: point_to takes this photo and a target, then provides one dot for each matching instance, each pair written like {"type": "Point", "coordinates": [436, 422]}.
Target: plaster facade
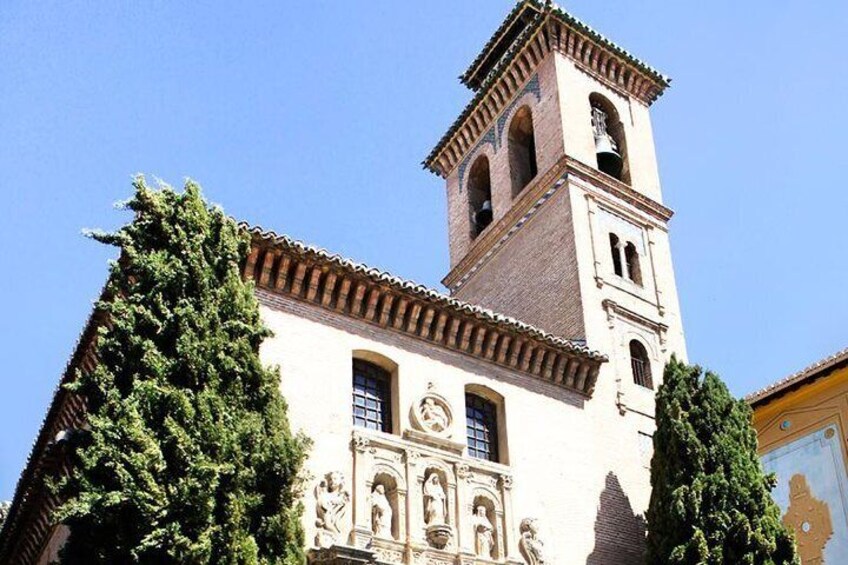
{"type": "Point", "coordinates": [540, 323]}
{"type": "Point", "coordinates": [802, 436]}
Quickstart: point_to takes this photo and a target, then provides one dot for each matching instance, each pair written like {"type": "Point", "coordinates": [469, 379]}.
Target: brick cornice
{"type": "Point", "coordinates": [304, 273]}
{"type": "Point", "coordinates": [534, 196]}
{"type": "Point", "coordinates": [551, 30]}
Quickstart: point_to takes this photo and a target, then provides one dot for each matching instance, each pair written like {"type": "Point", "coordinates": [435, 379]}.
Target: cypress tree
{"type": "Point", "coordinates": [4, 511]}
{"type": "Point", "coordinates": [187, 456]}
{"type": "Point", "coordinates": [711, 500]}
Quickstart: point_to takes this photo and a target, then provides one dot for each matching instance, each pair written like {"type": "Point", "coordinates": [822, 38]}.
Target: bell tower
{"type": "Point", "coordinates": [554, 204]}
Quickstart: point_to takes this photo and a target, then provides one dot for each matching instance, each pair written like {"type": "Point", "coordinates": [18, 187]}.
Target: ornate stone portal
{"type": "Point", "coordinates": [416, 500]}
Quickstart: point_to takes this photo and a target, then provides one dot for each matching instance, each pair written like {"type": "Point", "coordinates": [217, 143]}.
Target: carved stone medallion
{"type": "Point", "coordinates": [432, 414]}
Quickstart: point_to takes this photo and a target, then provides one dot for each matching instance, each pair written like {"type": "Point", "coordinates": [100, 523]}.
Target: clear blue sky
{"type": "Point", "coordinates": [311, 118]}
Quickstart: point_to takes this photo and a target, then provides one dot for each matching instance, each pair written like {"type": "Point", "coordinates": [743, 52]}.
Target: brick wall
{"type": "Point", "coordinates": [533, 276]}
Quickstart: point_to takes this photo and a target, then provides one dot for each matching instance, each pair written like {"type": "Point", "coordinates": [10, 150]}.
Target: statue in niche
{"type": "Point", "coordinates": [433, 415]}
{"type": "Point", "coordinates": [331, 501]}
{"type": "Point", "coordinates": [435, 501]}
{"type": "Point", "coordinates": [381, 513]}
{"type": "Point", "coordinates": [532, 548]}
{"type": "Point", "coordinates": [484, 533]}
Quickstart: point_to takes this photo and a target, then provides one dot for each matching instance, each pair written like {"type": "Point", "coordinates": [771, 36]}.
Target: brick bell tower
{"type": "Point", "coordinates": [554, 205]}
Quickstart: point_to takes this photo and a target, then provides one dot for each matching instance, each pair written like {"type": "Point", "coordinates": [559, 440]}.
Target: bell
{"type": "Point", "coordinates": [483, 216]}
{"type": "Point", "coordinates": [609, 161]}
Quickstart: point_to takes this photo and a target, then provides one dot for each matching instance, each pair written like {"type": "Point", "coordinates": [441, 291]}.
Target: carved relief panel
{"type": "Point", "coordinates": [416, 499]}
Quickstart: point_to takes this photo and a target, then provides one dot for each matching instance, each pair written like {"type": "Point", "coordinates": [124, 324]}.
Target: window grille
{"type": "Point", "coordinates": [481, 428]}
{"type": "Point", "coordinates": [640, 364]}
{"type": "Point", "coordinates": [371, 397]}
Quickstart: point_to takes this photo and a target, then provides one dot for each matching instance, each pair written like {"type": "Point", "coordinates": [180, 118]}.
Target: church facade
{"type": "Point", "coordinates": [510, 420]}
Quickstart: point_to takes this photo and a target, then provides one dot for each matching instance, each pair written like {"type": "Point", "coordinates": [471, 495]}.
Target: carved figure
{"type": "Point", "coordinates": [532, 548]}
{"type": "Point", "coordinates": [331, 502]}
{"type": "Point", "coordinates": [435, 501]}
{"type": "Point", "coordinates": [381, 513]}
{"type": "Point", "coordinates": [433, 415]}
{"type": "Point", "coordinates": [484, 536]}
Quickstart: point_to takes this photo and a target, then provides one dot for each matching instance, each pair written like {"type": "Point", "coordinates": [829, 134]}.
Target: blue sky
{"type": "Point", "coordinates": [312, 118]}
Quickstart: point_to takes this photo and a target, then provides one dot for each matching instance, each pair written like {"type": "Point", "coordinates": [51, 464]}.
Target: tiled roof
{"type": "Point", "coordinates": [470, 75]}
{"type": "Point", "coordinates": [551, 28]}
{"type": "Point", "coordinates": [807, 375]}
{"type": "Point", "coordinates": [428, 294]}
{"type": "Point", "coordinates": [27, 523]}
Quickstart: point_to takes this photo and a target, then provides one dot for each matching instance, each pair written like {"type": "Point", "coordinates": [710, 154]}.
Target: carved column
{"type": "Point", "coordinates": [362, 463]}
{"type": "Point", "coordinates": [594, 234]}
{"type": "Point", "coordinates": [510, 536]}
{"type": "Point", "coordinates": [652, 259]}
{"type": "Point", "coordinates": [465, 537]}
{"type": "Point", "coordinates": [414, 507]}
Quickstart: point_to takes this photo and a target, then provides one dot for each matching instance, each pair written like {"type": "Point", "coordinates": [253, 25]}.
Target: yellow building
{"type": "Point", "coordinates": [801, 424]}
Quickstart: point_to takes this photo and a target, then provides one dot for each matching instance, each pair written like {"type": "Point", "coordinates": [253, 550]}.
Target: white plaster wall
{"type": "Point", "coordinates": [560, 446]}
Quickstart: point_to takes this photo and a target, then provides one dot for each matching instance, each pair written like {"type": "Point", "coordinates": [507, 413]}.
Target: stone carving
{"type": "Point", "coordinates": [381, 513]}
{"type": "Point", "coordinates": [484, 533]}
{"type": "Point", "coordinates": [439, 533]}
{"type": "Point", "coordinates": [331, 503]}
{"type": "Point", "coordinates": [432, 414]}
{"type": "Point", "coordinates": [388, 555]}
{"type": "Point", "coordinates": [435, 501]}
{"type": "Point", "coordinates": [809, 518]}
{"type": "Point", "coordinates": [532, 548]}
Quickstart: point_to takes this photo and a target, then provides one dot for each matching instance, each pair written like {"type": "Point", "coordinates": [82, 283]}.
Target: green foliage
{"type": "Point", "coordinates": [710, 501]}
{"type": "Point", "coordinates": [4, 511]}
{"type": "Point", "coordinates": [188, 457]}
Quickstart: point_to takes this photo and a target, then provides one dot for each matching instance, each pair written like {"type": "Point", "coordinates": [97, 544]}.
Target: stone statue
{"type": "Point", "coordinates": [435, 501]}
{"type": "Point", "coordinates": [484, 536]}
{"type": "Point", "coordinates": [331, 502]}
{"type": "Point", "coordinates": [433, 415]}
{"type": "Point", "coordinates": [532, 548]}
{"type": "Point", "coordinates": [381, 513]}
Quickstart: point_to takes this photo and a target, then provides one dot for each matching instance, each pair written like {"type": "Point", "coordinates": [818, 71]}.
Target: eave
{"type": "Point", "coordinates": [309, 274]}
{"type": "Point", "coordinates": [552, 29]}
{"type": "Point", "coordinates": [806, 376]}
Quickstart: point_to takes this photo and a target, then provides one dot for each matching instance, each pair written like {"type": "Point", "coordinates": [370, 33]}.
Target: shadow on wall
{"type": "Point", "coordinates": [619, 533]}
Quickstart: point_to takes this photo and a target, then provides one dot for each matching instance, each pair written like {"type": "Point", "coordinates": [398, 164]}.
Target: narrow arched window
{"type": "Point", "coordinates": [631, 257]}
{"type": "Point", "coordinates": [615, 253]}
{"type": "Point", "coordinates": [640, 364]}
{"type": "Point", "coordinates": [481, 427]}
{"type": "Point", "coordinates": [610, 142]}
{"type": "Point", "coordinates": [480, 196]}
{"type": "Point", "coordinates": [522, 150]}
{"type": "Point", "coordinates": [372, 397]}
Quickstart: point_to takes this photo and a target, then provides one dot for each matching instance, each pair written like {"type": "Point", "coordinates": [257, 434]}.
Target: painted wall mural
{"type": "Point", "coordinates": [812, 492]}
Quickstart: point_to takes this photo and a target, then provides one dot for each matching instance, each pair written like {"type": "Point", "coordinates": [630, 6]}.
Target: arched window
{"type": "Point", "coordinates": [372, 396]}
{"type": "Point", "coordinates": [640, 364]}
{"type": "Point", "coordinates": [631, 257]}
{"type": "Point", "coordinates": [610, 143]}
{"type": "Point", "coordinates": [522, 150]}
{"type": "Point", "coordinates": [480, 195]}
{"type": "Point", "coordinates": [615, 252]}
{"type": "Point", "coordinates": [481, 427]}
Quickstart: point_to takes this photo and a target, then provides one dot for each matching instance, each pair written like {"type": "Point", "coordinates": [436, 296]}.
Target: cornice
{"type": "Point", "coordinates": [551, 30]}
{"type": "Point", "coordinates": [308, 274]}
{"type": "Point", "coordinates": [532, 198]}
{"type": "Point", "coordinates": [804, 377]}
